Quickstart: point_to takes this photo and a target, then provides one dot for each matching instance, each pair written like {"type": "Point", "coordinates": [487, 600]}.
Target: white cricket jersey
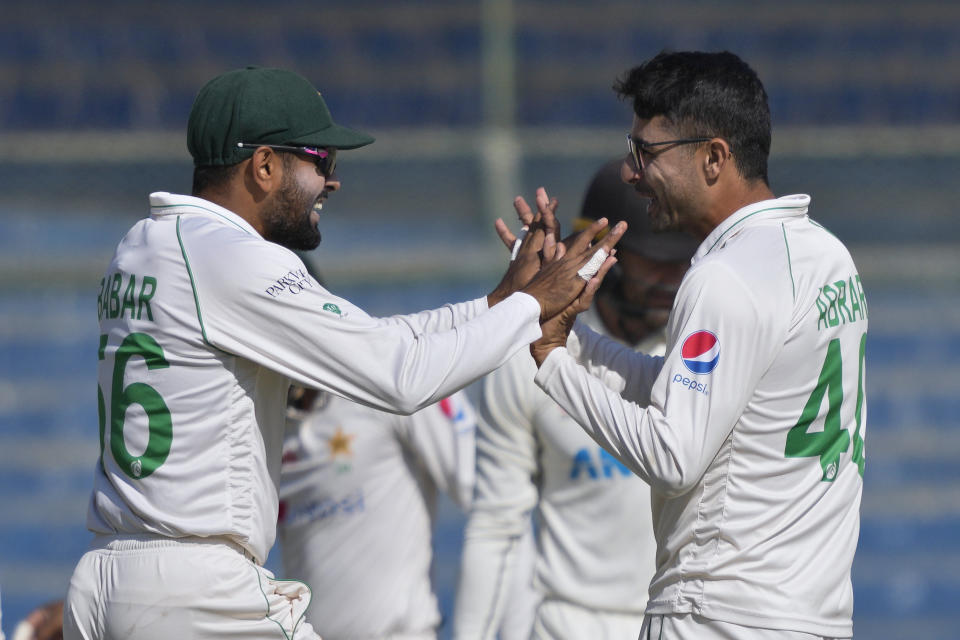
{"type": "Point", "coordinates": [753, 439]}
{"type": "Point", "coordinates": [203, 326]}
{"type": "Point", "coordinates": [595, 545]}
{"type": "Point", "coordinates": [357, 505]}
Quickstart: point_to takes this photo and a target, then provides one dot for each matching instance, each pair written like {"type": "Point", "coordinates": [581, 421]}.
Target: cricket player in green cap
{"type": "Point", "coordinates": [206, 317]}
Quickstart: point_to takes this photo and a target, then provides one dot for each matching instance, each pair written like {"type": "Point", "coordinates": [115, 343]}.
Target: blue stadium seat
{"type": "Point", "coordinates": [28, 107]}
{"type": "Point", "coordinates": [103, 107]}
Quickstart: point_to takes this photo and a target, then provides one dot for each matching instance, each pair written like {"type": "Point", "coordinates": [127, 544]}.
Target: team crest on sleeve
{"type": "Point", "coordinates": [700, 352]}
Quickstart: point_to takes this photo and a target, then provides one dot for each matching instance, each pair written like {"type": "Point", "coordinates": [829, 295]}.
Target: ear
{"type": "Point", "coordinates": [717, 157]}
{"type": "Point", "coordinates": [265, 171]}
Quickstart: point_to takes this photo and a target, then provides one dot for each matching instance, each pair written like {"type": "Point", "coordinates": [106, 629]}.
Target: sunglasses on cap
{"type": "Point", "coordinates": [326, 159]}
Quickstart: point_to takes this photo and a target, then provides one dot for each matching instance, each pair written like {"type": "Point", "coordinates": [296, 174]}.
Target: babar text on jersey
{"type": "Point", "coordinates": [134, 301]}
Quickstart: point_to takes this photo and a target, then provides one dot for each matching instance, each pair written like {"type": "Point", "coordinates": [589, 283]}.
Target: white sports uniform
{"type": "Point", "coordinates": [753, 438]}
{"type": "Point", "coordinates": [203, 326]}
{"type": "Point", "coordinates": [357, 504]}
{"type": "Point", "coordinates": [596, 549]}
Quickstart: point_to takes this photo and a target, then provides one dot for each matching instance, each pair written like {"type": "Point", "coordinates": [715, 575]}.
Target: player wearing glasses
{"type": "Point", "coordinates": [750, 430]}
{"type": "Point", "coordinates": [595, 547]}
{"type": "Point", "coordinates": [206, 316]}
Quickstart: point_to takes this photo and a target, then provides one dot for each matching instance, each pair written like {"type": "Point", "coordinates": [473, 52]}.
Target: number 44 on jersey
{"type": "Point", "coordinates": [833, 440]}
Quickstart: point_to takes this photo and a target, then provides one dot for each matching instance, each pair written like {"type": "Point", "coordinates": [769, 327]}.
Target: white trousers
{"type": "Point", "coordinates": [688, 626]}
{"type": "Point", "coordinates": [155, 588]}
{"type": "Point", "coordinates": [559, 620]}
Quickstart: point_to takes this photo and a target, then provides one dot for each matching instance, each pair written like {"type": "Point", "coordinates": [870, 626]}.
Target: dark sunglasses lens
{"type": "Point", "coordinates": [326, 159]}
{"type": "Point", "coordinates": [329, 164]}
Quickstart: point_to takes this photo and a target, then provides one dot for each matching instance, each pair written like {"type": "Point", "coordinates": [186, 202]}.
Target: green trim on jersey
{"type": "Point", "coordinates": [749, 215]}
{"type": "Point", "coordinates": [196, 206]}
{"type": "Point", "coordinates": [820, 226]}
{"type": "Point", "coordinates": [789, 261]}
{"type": "Point", "coordinates": [193, 285]}
{"type": "Point", "coordinates": [267, 602]}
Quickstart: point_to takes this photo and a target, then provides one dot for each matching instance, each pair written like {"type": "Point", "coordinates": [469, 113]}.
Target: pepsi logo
{"type": "Point", "coordinates": [700, 352]}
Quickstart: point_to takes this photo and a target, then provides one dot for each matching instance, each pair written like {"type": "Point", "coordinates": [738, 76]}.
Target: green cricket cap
{"type": "Point", "coordinates": [259, 105]}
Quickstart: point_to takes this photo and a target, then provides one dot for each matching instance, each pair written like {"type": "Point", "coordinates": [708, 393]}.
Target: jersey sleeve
{"type": "Point", "coordinates": [256, 300]}
{"type": "Point", "coordinates": [671, 442]}
{"type": "Point", "coordinates": [441, 437]}
{"type": "Point", "coordinates": [506, 494]}
{"type": "Point", "coordinates": [619, 367]}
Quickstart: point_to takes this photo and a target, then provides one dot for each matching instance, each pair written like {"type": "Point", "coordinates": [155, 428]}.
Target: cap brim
{"type": "Point", "coordinates": [666, 246]}
{"type": "Point", "coordinates": [334, 136]}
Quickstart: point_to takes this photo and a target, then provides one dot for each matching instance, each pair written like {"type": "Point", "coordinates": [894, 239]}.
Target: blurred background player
{"type": "Point", "coordinates": [43, 623]}
{"type": "Point", "coordinates": [358, 498]}
{"type": "Point", "coordinates": [595, 550]}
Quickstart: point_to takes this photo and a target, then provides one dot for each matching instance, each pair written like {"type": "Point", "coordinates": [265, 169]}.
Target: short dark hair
{"type": "Point", "coordinates": [705, 94]}
{"type": "Point", "coordinates": [212, 177]}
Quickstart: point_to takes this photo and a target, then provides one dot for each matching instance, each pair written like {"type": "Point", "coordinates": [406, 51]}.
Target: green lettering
{"type": "Point", "coordinates": [822, 307]}
{"type": "Point", "coordinates": [159, 421]}
{"type": "Point", "coordinates": [842, 311]}
{"type": "Point", "coordinates": [128, 296]}
{"type": "Point", "coordinates": [858, 453]}
{"type": "Point", "coordinates": [833, 318]}
{"type": "Point", "coordinates": [101, 298]}
{"type": "Point", "coordinates": [114, 309]}
{"type": "Point", "coordinates": [146, 295]}
{"type": "Point", "coordinates": [829, 443]}
{"type": "Point", "coordinates": [863, 298]}
{"type": "Point", "coordinates": [854, 301]}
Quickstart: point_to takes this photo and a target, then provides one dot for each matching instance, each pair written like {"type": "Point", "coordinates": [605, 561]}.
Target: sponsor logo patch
{"type": "Point", "coordinates": [700, 352]}
{"type": "Point", "coordinates": [293, 282]}
{"type": "Point", "coordinates": [691, 384]}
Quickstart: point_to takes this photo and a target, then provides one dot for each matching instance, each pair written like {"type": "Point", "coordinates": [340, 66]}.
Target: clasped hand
{"type": "Point", "coordinates": [547, 268]}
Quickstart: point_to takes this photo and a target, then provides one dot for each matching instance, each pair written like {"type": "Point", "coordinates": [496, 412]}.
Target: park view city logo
{"type": "Point", "coordinates": [700, 352]}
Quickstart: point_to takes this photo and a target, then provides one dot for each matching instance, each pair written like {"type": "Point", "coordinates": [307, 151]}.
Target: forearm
{"type": "Point", "coordinates": [443, 318]}
{"type": "Point", "coordinates": [667, 455]}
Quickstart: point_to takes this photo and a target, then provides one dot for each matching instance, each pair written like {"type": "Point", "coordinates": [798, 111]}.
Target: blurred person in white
{"type": "Point", "coordinates": [595, 548]}
{"type": "Point", "coordinates": [43, 623]}
{"type": "Point", "coordinates": [206, 317]}
{"type": "Point", "coordinates": [358, 494]}
{"type": "Point", "coordinates": [750, 430]}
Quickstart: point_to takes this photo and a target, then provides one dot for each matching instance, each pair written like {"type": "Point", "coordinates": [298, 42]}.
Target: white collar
{"type": "Point", "coordinates": [783, 207]}
{"type": "Point", "coordinates": [173, 204]}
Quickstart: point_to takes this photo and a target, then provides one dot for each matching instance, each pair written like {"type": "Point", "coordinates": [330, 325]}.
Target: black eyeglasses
{"type": "Point", "coordinates": [326, 159]}
{"type": "Point", "coordinates": [639, 147]}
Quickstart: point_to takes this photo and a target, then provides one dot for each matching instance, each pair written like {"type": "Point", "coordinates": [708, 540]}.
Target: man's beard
{"type": "Point", "coordinates": [286, 219]}
{"type": "Point", "coordinates": [663, 220]}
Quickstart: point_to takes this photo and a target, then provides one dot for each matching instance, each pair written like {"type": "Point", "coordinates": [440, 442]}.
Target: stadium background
{"type": "Point", "coordinates": [472, 102]}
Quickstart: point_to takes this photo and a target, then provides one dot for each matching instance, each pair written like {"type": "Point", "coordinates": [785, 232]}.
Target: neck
{"type": "Point", "coordinates": [239, 204]}
{"type": "Point", "coordinates": [745, 194]}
